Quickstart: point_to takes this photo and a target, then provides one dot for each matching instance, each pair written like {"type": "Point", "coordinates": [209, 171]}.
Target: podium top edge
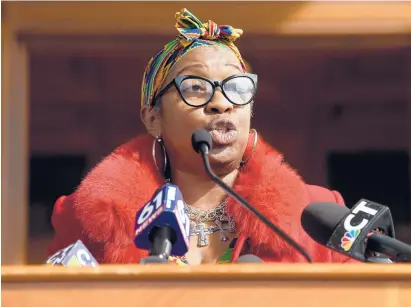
{"type": "Point", "coordinates": [220, 272]}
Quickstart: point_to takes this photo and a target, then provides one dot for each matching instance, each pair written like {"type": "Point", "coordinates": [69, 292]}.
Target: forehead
{"type": "Point", "coordinates": [208, 56]}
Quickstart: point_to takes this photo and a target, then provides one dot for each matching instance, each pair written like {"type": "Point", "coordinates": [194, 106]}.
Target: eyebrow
{"type": "Point", "coordinates": [191, 66]}
{"type": "Point", "coordinates": [235, 66]}
{"type": "Point", "coordinates": [203, 66]}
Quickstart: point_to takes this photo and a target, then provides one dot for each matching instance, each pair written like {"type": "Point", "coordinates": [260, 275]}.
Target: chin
{"type": "Point", "coordinates": [224, 160]}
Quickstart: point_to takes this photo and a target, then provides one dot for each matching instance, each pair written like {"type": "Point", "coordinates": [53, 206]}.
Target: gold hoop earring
{"type": "Point", "coordinates": [153, 152]}
{"type": "Point", "coordinates": [252, 130]}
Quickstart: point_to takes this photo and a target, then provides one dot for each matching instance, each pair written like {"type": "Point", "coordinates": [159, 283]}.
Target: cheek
{"type": "Point", "coordinates": [245, 126]}
{"type": "Point", "coordinates": [179, 117]}
{"type": "Point", "coordinates": [245, 120]}
{"type": "Point", "coordinates": [178, 124]}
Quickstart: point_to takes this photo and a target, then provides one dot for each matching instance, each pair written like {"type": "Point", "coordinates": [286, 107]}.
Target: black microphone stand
{"type": "Point", "coordinates": [161, 239]}
{"type": "Point", "coordinates": [204, 150]}
{"type": "Point", "coordinates": [379, 259]}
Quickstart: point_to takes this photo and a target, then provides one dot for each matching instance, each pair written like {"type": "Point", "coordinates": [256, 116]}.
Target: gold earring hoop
{"type": "Point", "coordinates": [153, 152]}
{"type": "Point", "coordinates": [252, 130]}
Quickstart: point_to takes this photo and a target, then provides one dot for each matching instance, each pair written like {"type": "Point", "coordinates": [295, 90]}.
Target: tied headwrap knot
{"type": "Point", "coordinates": [192, 34]}
{"type": "Point", "coordinates": [191, 29]}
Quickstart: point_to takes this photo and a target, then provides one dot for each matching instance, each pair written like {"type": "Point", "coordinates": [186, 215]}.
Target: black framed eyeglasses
{"type": "Point", "coordinates": [197, 91]}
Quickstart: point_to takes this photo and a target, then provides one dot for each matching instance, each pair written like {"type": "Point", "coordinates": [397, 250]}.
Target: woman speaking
{"type": "Point", "coordinates": [197, 81]}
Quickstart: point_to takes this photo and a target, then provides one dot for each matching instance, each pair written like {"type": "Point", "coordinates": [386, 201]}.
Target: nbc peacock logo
{"type": "Point", "coordinates": [349, 238]}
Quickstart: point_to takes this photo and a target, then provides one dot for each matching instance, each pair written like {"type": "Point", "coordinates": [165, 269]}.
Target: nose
{"type": "Point", "coordinates": [219, 104]}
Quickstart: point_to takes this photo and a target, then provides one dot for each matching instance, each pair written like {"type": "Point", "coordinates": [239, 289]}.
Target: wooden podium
{"type": "Point", "coordinates": [236, 285]}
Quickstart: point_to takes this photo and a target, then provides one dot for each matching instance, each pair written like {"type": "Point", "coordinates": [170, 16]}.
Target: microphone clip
{"type": "Point", "coordinates": [351, 236]}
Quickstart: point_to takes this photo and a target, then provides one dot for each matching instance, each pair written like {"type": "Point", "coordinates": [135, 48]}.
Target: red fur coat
{"type": "Point", "coordinates": [101, 211]}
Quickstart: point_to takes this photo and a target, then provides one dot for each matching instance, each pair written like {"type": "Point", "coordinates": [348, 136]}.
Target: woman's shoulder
{"type": "Point", "coordinates": [124, 175]}
{"type": "Point", "coordinates": [126, 165]}
{"type": "Point", "coordinates": [280, 179]}
{"type": "Point", "coordinates": [274, 169]}
{"type": "Point", "coordinates": [104, 205]}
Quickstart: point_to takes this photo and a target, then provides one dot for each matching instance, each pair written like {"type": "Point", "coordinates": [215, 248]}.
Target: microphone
{"type": "Point", "coordinates": [362, 233]}
{"type": "Point", "coordinates": [201, 142]}
{"type": "Point", "coordinates": [249, 259]}
{"type": "Point", "coordinates": [74, 255]}
{"type": "Point", "coordinates": [162, 226]}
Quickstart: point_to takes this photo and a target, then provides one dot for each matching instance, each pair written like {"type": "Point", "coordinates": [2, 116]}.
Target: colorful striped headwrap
{"type": "Point", "coordinates": [193, 34]}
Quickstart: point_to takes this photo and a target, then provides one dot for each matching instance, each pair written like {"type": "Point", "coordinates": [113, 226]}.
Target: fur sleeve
{"type": "Point", "coordinates": [68, 229]}
{"type": "Point", "coordinates": [101, 212]}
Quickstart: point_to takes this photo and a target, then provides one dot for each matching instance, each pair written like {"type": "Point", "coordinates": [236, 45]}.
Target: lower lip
{"type": "Point", "coordinates": [223, 137]}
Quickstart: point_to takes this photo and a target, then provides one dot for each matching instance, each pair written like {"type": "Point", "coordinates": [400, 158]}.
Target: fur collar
{"type": "Point", "coordinates": [108, 198]}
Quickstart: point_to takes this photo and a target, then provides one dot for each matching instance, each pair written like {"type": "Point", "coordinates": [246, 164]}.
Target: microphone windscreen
{"type": "Point", "coordinates": [200, 137]}
{"type": "Point", "coordinates": [320, 219]}
{"type": "Point", "coordinates": [74, 255]}
{"type": "Point", "coordinates": [166, 208]}
{"type": "Point", "coordinates": [249, 259]}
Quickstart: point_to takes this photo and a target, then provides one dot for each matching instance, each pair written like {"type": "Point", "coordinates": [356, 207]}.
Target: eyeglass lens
{"type": "Point", "coordinates": [196, 92]}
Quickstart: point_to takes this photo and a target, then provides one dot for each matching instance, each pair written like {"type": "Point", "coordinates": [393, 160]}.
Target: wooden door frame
{"type": "Point", "coordinates": [27, 25]}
